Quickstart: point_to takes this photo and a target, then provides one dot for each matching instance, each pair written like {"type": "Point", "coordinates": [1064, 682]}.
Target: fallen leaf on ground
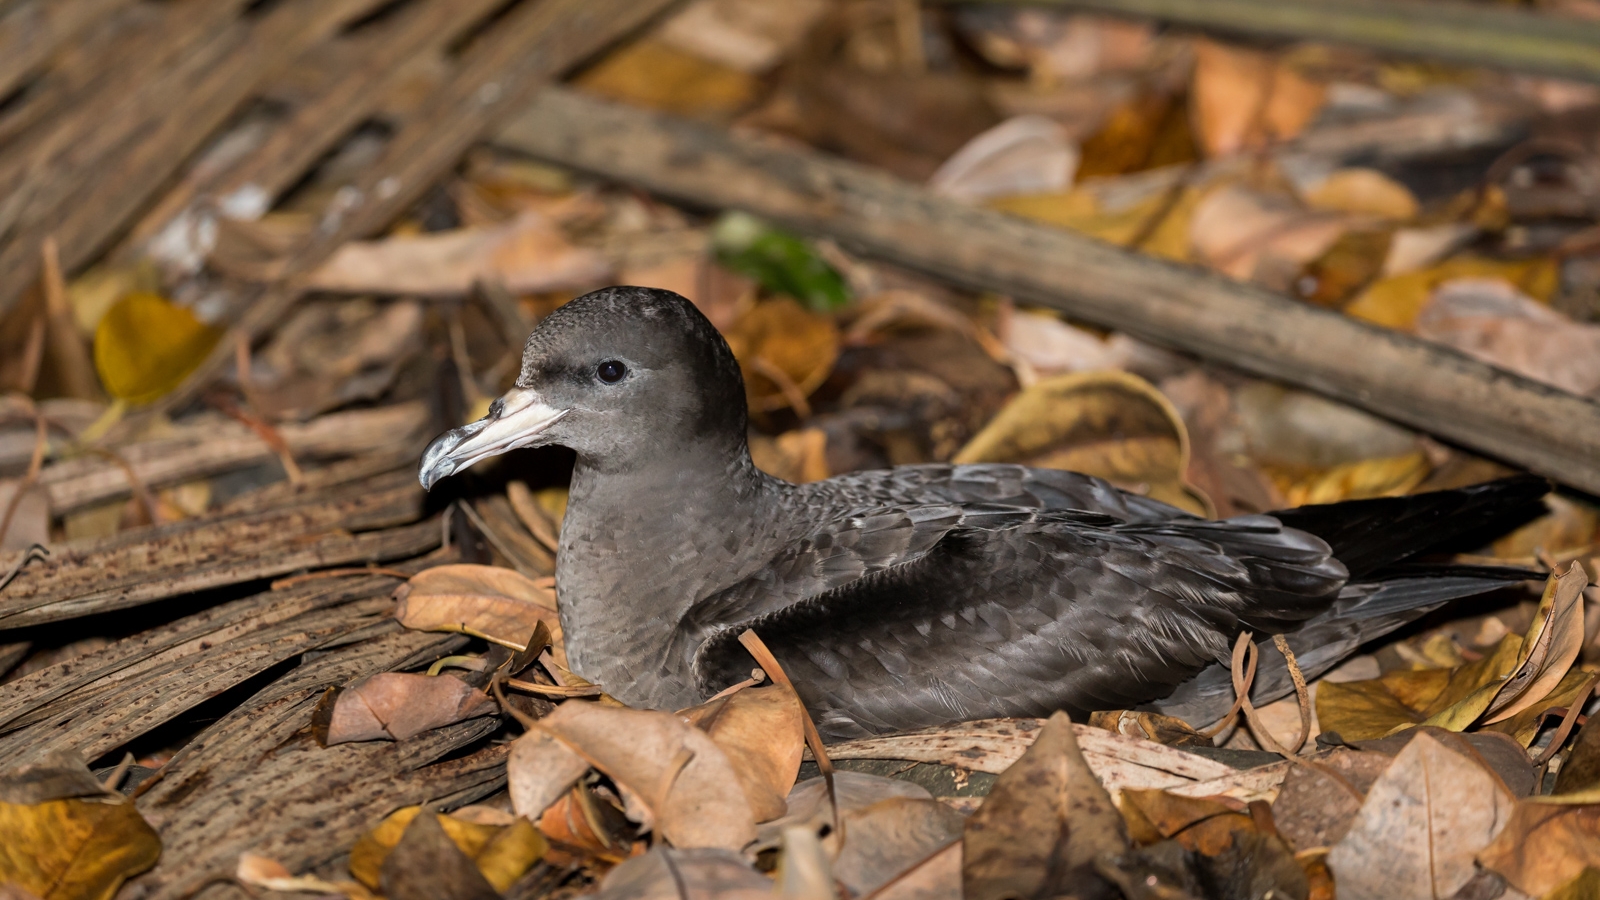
{"type": "Point", "coordinates": [1258, 236]}
{"type": "Point", "coordinates": [668, 874]}
{"type": "Point", "coordinates": [1110, 424]}
{"type": "Point", "coordinates": [666, 76]}
{"type": "Point", "coordinates": [1421, 825]}
{"type": "Point", "coordinates": [1363, 191]}
{"type": "Point", "coordinates": [63, 837]}
{"type": "Point", "coordinates": [1022, 155]}
{"type": "Point", "coordinates": [491, 602]}
{"type": "Point", "coordinates": [1043, 824]}
{"type": "Point", "coordinates": [748, 35]}
{"type": "Point", "coordinates": [1384, 476]}
{"type": "Point", "coordinates": [1150, 726]}
{"type": "Point", "coordinates": [1396, 301]}
{"type": "Point", "coordinates": [936, 878]}
{"type": "Point", "coordinates": [499, 854]}
{"type": "Point", "coordinates": [1317, 803]}
{"type": "Point", "coordinates": [400, 705]}
{"type": "Point", "coordinates": [1244, 98]}
{"type": "Point", "coordinates": [427, 864]}
{"type": "Point", "coordinates": [146, 345]}
{"type": "Point", "coordinates": [1238, 852]}
{"type": "Point", "coordinates": [799, 455]}
{"type": "Point", "coordinates": [527, 254]}
{"type": "Point", "coordinates": [685, 786]}
{"type": "Point", "coordinates": [1493, 321]}
{"type": "Point", "coordinates": [1544, 846]}
{"type": "Point", "coordinates": [761, 730]}
{"type": "Point", "coordinates": [786, 352]}
{"type": "Point", "coordinates": [269, 874]}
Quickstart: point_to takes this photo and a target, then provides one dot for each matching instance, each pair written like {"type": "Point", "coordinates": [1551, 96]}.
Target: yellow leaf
{"type": "Point", "coordinates": [1388, 476]}
{"type": "Point", "coordinates": [503, 853]}
{"type": "Point", "coordinates": [1109, 424]}
{"type": "Point", "coordinates": [1363, 191]}
{"type": "Point", "coordinates": [1163, 223]}
{"type": "Point", "coordinates": [657, 75]}
{"type": "Point", "coordinates": [74, 849]}
{"type": "Point", "coordinates": [1396, 301]}
{"type": "Point", "coordinates": [145, 346]}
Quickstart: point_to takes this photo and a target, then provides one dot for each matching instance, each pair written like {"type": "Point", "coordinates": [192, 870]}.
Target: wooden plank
{"type": "Point", "coordinates": [1479, 34]}
{"type": "Point", "coordinates": [370, 66]}
{"type": "Point", "coordinates": [533, 44]}
{"type": "Point", "coordinates": [144, 566]}
{"type": "Point", "coordinates": [1423, 385]}
{"type": "Point", "coordinates": [33, 30]}
{"type": "Point", "coordinates": [85, 192]}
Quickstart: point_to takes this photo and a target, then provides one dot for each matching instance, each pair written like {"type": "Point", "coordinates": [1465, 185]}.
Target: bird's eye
{"type": "Point", "coordinates": [611, 371]}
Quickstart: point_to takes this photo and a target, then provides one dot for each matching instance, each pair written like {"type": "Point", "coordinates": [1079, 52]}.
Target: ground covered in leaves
{"type": "Point", "coordinates": [242, 654]}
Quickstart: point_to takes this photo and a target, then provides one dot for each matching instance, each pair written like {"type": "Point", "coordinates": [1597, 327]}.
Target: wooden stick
{"type": "Point", "coordinates": [1423, 385]}
{"type": "Point", "coordinates": [1475, 34]}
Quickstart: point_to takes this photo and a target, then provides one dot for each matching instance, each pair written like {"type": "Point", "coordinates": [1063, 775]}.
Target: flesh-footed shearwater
{"type": "Point", "coordinates": [924, 594]}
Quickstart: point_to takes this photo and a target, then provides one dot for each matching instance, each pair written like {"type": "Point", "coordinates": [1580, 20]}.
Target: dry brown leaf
{"type": "Point", "coordinates": [1023, 155]}
{"type": "Point", "coordinates": [400, 705]}
{"type": "Point", "coordinates": [1150, 726]}
{"type": "Point", "coordinates": [1044, 823]}
{"type": "Point", "coordinates": [527, 254]}
{"type": "Point", "coordinates": [269, 874]}
{"type": "Point", "coordinates": [761, 731]}
{"type": "Point", "coordinates": [1243, 99]}
{"type": "Point", "coordinates": [685, 785]}
{"type": "Point", "coordinates": [800, 455]}
{"type": "Point", "coordinates": [747, 35]}
{"type": "Point", "coordinates": [785, 350]}
{"type": "Point", "coordinates": [1164, 223]}
{"type": "Point", "coordinates": [427, 864]}
{"type": "Point", "coordinates": [1421, 825]}
{"type": "Point", "coordinates": [540, 770]}
{"type": "Point", "coordinates": [1363, 191]}
{"type": "Point", "coordinates": [692, 874]}
{"type": "Point", "coordinates": [1543, 846]}
{"type": "Point", "coordinates": [1317, 804]}
{"type": "Point", "coordinates": [500, 853]}
{"type": "Point", "coordinates": [936, 878]}
{"type": "Point", "coordinates": [1493, 321]}
{"type": "Point", "coordinates": [883, 839]}
{"type": "Point", "coordinates": [656, 74]}
{"type": "Point", "coordinates": [497, 604]}
{"type": "Point", "coordinates": [1110, 424]}
{"type": "Point", "coordinates": [1265, 237]}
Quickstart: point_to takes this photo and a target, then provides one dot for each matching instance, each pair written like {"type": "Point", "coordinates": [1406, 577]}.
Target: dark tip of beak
{"type": "Point", "coordinates": [437, 461]}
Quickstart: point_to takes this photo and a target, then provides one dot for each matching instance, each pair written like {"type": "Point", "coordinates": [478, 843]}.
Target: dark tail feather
{"type": "Point", "coordinates": [1367, 535]}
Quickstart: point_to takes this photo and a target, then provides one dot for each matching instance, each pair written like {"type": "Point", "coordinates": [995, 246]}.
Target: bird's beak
{"type": "Point", "coordinates": [517, 419]}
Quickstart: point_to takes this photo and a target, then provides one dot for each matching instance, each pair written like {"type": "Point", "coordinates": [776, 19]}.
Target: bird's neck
{"type": "Point", "coordinates": [639, 545]}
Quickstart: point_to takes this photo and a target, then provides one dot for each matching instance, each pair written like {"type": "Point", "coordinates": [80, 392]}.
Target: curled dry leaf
{"type": "Point", "coordinates": [668, 874]}
{"type": "Point", "coordinates": [401, 705]}
{"type": "Point", "coordinates": [761, 730]}
{"type": "Point", "coordinates": [62, 837]}
{"type": "Point", "coordinates": [1544, 846]}
{"type": "Point", "coordinates": [499, 605]}
{"type": "Point", "coordinates": [1043, 825]}
{"type": "Point", "coordinates": [686, 784]}
{"type": "Point", "coordinates": [500, 853]}
{"type": "Point", "coordinates": [1110, 424]}
{"type": "Point", "coordinates": [785, 350]}
{"type": "Point", "coordinates": [1421, 825]}
{"type": "Point", "coordinates": [1521, 672]}
{"type": "Point", "coordinates": [1244, 98]}
{"type": "Point", "coordinates": [527, 254]}
{"type": "Point", "coordinates": [1028, 154]}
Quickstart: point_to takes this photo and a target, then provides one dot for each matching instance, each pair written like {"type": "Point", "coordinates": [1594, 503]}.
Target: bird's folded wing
{"type": "Point", "coordinates": [905, 617]}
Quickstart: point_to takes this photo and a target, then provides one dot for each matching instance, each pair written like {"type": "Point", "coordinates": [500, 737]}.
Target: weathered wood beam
{"type": "Point", "coordinates": [1423, 385]}
{"type": "Point", "coordinates": [1481, 34]}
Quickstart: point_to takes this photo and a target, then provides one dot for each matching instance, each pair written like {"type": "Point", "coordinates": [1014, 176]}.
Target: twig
{"type": "Point", "coordinates": [34, 551]}
{"type": "Point", "coordinates": [774, 670]}
{"type": "Point", "coordinates": [786, 386]}
{"type": "Point", "coordinates": [302, 578]}
{"type": "Point", "coordinates": [756, 677]}
{"type": "Point", "coordinates": [550, 690]}
{"type": "Point", "coordinates": [41, 442]}
{"type": "Point", "coordinates": [1301, 693]}
{"type": "Point", "coordinates": [115, 776]}
{"type": "Point", "coordinates": [1568, 722]}
{"type": "Point", "coordinates": [1241, 646]}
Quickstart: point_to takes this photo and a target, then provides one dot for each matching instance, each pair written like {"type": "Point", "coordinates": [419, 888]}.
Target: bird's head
{"type": "Point", "coordinates": [621, 376]}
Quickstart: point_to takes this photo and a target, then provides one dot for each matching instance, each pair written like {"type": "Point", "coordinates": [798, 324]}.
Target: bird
{"type": "Point", "coordinates": [924, 595]}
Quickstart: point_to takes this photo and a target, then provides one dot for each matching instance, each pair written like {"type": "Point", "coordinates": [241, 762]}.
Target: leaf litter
{"type": "Point", "coordinates": [1458, 759]}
